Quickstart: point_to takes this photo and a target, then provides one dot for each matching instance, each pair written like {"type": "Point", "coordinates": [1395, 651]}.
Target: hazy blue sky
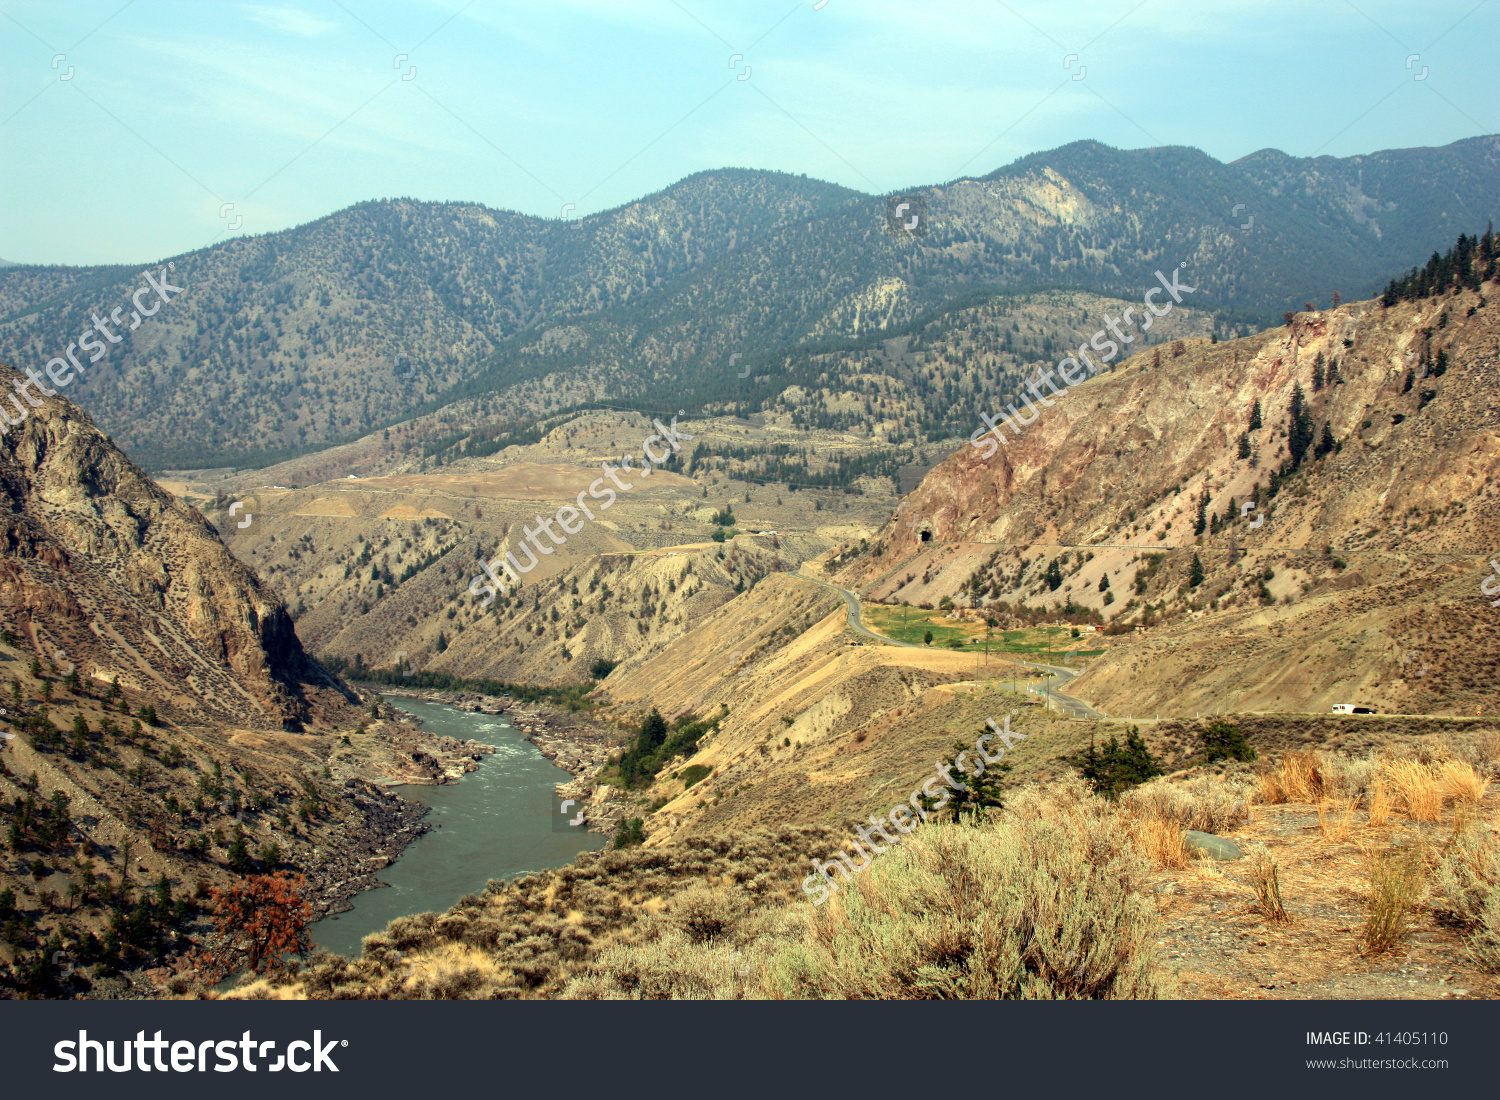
{"type": "Point", "coordinates": [127, 148]}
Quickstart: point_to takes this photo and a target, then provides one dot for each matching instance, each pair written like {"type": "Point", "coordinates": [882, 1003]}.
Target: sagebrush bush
{"type": "Point", "coordinates": [1208, 803]}
{"type": "Point", "coordinates": [1466, 890]}
{"type": "Point", "coordinates": [1043, 903]}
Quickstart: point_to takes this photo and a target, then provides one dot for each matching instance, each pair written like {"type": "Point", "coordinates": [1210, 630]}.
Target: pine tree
{"type": "Point", "coordinates": [1222, 740]}
{"type": "Point", "coordinates": [238, 852]}
{"type": "Point", "coordinates": [1104, 583]}
{"type": "Point", "coordinates": [1255, 420]}
{"type": "Point", "coordinates": [1317, 379]}
{"type": "Point", "coordinates": [1195, 574]}
{"type": "Point", "coordinates": [1244, 444]}
{"type": "Point", "coordinates": [653, 731]}
{"type": "Point", "coordinates": [1327, 444]}
{"type": "Point", "coordinates": [983, 790]}
{"type": "Point", "coordinates": [1054, 576]}
{"type": "Point", "coordinates": [1116, 767]}
{"type": "Point", "coordinates": [1200, 524]}
{"type": "Point", "coordinates": [1300, 428]}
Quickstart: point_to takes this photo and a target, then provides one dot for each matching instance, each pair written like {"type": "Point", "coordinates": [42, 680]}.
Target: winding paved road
{"type": "Point", "coordinates": [1075, 708]}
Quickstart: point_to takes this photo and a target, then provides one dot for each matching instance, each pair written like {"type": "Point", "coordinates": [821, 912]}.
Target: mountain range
{"type": "Point", "coordinates": [293, 341]}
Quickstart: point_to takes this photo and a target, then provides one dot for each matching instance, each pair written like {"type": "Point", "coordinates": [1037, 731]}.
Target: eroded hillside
{"type": "Point", "coordinates": [1345, 576]}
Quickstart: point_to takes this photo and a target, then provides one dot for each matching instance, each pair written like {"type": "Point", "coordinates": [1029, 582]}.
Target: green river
{"type": "Point", "coordinates": [495, 823]}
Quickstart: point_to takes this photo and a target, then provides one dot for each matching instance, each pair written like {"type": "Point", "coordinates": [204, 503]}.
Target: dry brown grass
{"type": "Point", "coordinates": [1298, 779]}
{"type": "Point", "coordinates": [1461, 783]}
{"type": "Point", "coordinates": [1397, 881]}
{"type": "Point", "coordinates": [1162, 842]}
{"type": "Point", "coordinates": [1380, 803]}
{"type": "Point", "coordinates": [1418, 795]}
{"type": "Point", "coordinates": [1335, 819]}
{"type": "Point", "coordinates": [1267, 884]}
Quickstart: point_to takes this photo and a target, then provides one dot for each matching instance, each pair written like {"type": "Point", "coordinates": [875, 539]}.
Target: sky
{"type": "Point", "coordinates": [133, 131]}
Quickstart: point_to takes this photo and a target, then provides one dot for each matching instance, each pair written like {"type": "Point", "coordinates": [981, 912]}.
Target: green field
{"type": "Point", "coordinates": [910, 624]}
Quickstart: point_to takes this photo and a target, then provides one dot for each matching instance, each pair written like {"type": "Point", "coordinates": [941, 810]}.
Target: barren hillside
{"type": "Point", "coordinates": [1313, 602]}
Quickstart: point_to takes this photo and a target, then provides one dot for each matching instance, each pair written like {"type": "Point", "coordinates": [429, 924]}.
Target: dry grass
{"type": "Point", "coordinates": [1417, 793]}
{"type": "Point", "coordinates": [1397, 879]}
{"type": "Point", "coordinates": [1380, 803]}
{"type": "Point", "coordinates": [1162, 842]}
{"type": "Point", "coordinates": [1461, 783]}
{"type": "Point", "coordinates": [1335, 820]}
{"type": "Point", "coordinates": [1298, 779]}
{"type": "Point", "coordinates": [1267, 883]}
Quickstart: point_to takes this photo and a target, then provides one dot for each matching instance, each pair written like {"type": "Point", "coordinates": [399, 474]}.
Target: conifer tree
{"type": "Point", "coordinates": [1195, 574]}
{"type": "Point", "coordinates": [1255, 420]}
{"type": "Point", "coordinates": [1327, 444]}
{"type": "Point", "coordinates": [1299, 429]}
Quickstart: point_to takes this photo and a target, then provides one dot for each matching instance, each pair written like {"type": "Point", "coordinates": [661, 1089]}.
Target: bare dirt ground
{"type": "Point", "coordinates": [1224, 948]}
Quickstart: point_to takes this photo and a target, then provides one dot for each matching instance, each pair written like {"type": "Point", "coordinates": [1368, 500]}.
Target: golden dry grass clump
{"type": "Point", "coordinates": [1161, 841]}
{"type": "Point", "coordinates": [1462, 783]}
{"type": "Point", "coordinates": [1265, 878]}
{"type": "Point", "coordinates": [1298, 779]}
{"type": "Point", "coordinates": [1415, 789]}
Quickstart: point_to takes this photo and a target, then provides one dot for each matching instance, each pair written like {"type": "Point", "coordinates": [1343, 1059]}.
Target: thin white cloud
{"type": "Point", "coordinates": [287, 20]}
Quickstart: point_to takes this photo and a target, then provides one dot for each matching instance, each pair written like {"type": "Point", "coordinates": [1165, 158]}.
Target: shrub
{"type": "Point", "coordinates": [702, 914]}
{"type": "Point", "coordinates": [1223, 740]}
{"type": "Point", "coordinates": [1043, 904]}
{"type": "Point", "coordinates": [692, 774]}
{"type": "Point", "coordinates": [630, 833]}
{"type": "Point", "coordinates": [602, 668]}
{"type": "Point", "coordinates": [1466, 889]}
{"type": "Point", "coordinates": [1208, 803]}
